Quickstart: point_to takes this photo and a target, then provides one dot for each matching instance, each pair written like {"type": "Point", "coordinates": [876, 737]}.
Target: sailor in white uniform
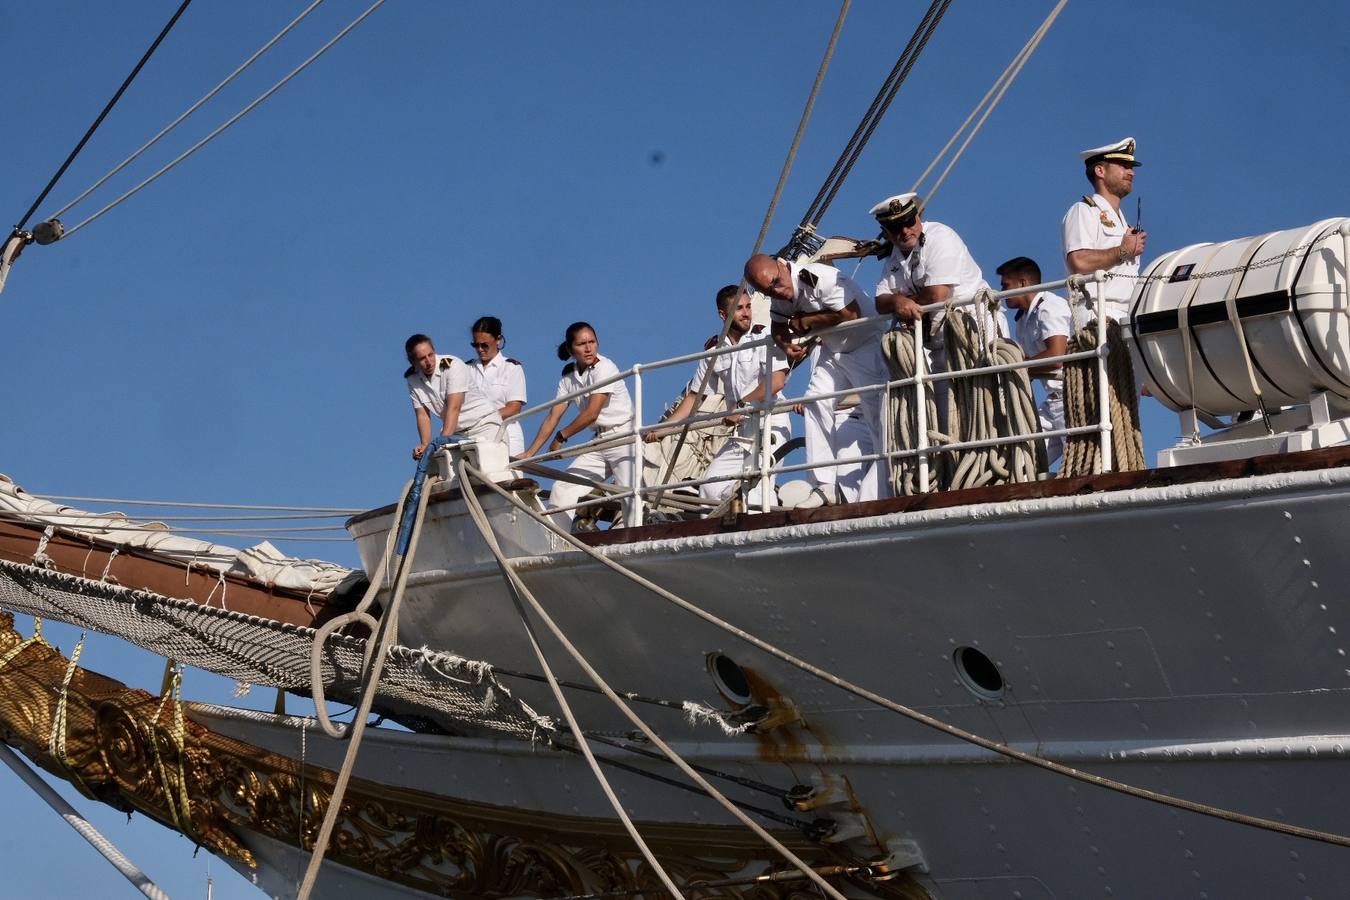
{"type": "Point", "coordinates": [739, 378]}
{"type": "Point", "coordinates": [440, 385]}
{"type": "Point", "coordinates": [500, 378]}
{"type": "Point", "coordinates": [804, 299]}
{"type": "Point", "coordinates": [1095, 233]}
{"type": "Point", "coordinates": [929, 263]}
{"type": "Point", "coordinates": [1043, 324]}
{"type": "Point", "coordinates": [606, 411]}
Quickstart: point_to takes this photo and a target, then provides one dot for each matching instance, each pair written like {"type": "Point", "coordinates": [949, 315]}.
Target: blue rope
{"type": "Point", "coordinates": [415, 490]}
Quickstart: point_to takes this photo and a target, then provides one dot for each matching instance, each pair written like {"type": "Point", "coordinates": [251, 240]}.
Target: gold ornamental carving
{"type": "Point", "coordinates": [136, 752]}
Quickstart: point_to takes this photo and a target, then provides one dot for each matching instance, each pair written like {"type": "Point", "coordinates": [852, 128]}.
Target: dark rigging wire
{"type": "Point", "coordinates": [101, 116]}
{"type": "Point", "coordinates": [872, 117]}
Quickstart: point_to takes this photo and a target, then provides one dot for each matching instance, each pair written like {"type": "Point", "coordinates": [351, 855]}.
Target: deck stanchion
{"type": "Point", "coordinates": [1103, 389]}
{"type": "Point", "coordinates": [763, 423]}
{"type": "Point", "coordinates": [920, 407]}
{"type": "Point", "coordinates": [637, 517]}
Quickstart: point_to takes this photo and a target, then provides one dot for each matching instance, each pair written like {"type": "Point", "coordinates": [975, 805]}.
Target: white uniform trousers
{"type": "Point", "coordinates": [852, 439]}
{"type": "Point", "coordinates": [737, 456]}
{"type": "Point", "coordinates": [839, 372]}
{"type": "Point", "coordinates": [1051, 414]}
{"type": "Point", "coordinates": [610, 464]}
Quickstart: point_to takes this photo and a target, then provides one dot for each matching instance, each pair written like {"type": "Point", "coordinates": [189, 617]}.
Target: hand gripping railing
{"type": "Point", "coordinates": [761, 411]}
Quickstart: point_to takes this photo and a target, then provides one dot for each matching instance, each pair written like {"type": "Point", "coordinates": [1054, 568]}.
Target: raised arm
{"type": "Point", "coordinates": [546, 429]}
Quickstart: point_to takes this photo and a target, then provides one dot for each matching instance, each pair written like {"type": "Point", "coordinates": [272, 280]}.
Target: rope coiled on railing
{"type": "Point", "coordinates": [897, 348]}
{"type": "Point", "coordinates": [986, 406]}
{"type": "Point", "coordinates": [1082, 452]}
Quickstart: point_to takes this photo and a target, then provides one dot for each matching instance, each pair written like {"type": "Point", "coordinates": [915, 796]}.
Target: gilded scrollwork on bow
{"type": "Point", "coordinates": [127, 748]}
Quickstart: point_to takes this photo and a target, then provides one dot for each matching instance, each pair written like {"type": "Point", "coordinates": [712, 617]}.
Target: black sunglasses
{"type": "Point", "coordinates": [479, 346]}
{"type": "Point", "coordinates": [895, 226]}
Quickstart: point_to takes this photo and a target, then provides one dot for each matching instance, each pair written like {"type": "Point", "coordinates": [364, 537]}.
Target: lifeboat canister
{"type": "Point", "coordinates": [1288, 295]}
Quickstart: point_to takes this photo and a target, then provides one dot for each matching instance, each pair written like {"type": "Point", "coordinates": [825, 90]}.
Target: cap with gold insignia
{"type": "Point", "coordinates": [1121, 152]}
{"type": "Point", "coordinates": [898, 211]}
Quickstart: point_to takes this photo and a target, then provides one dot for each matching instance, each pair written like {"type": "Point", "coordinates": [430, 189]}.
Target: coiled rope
{"type": "Point", "coordinates": [897, 348]}
{"type": "Point", "coordinates": [985, 406]}
{"type": "Point", "coordinates": [1082, 452]}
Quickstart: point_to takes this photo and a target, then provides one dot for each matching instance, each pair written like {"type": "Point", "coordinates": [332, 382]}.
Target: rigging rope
{"type": "Point", "coordinates": [190, 110]}
{"type": "Point", "coordinates": [522, 594]}
{"type": "Point", "coordinates": [181, 504]}
{"type": "Point", "coordinates": [381, 640]}
{"type": "Point", "coordinates": [230, 121]}
{"type": "Point", "coordinates": [764, 226]}
{"type": "Point", "coordinates": [1000, 85]}
{"type": "Point", "coordinates": [914, 715]}
{"type": "Point", "coordinates": [518, 590]}
{"type": "Point", "coordinates": [126, 83]}
{"type": "Point", "coordinates": [872, 117]}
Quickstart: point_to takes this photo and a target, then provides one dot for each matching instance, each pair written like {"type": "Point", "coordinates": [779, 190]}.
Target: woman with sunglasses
{"type": "Point", "coordinates": [607, 410]}
{"type": "Point", "coordinates": [499, 377]}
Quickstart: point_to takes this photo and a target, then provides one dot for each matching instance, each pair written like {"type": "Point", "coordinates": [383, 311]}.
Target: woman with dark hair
{"type": "Point", "coordinates": [500, 378]}
{"type": "Point", "coordinates": [606, 410]}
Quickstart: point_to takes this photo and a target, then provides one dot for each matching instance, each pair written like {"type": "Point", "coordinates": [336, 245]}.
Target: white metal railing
{"type": "Point", "coordinates": [635, 495]}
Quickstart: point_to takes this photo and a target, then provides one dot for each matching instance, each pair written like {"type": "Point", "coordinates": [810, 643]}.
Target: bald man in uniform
{"type": "Point", "coordinates": [804, 300]}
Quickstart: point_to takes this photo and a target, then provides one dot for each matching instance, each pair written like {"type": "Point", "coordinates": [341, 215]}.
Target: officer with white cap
{"type": "Point", "coordinates": [1095, 233]}
{"type": "Point", "coordinates": [929, 263]}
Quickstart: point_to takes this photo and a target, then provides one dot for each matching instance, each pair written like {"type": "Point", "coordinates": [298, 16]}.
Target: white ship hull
{"type": "Point", "coordinates": [1185, 638]}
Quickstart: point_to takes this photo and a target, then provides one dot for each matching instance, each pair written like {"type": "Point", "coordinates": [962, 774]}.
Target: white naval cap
{"type": "Point", "coordinates": [896, 208]}
{"type": "Point", "coordinates": [1120, 152]}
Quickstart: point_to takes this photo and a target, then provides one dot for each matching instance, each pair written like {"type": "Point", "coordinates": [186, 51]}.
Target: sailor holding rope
{"type": "Point", "coordinates": [442, 386]}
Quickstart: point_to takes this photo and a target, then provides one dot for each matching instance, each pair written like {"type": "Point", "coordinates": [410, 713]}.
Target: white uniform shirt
{"type": "Point", "coordinates": [940, 257]}
{"type": "Point", "coordinates": [1096, 226]}
{"type": "Point", "coordinates": [1047, 316]}
{"type": "Point", "coordinates": [618, 412]}
{"type": "Point", "coordinates": [450, 377]}
{"type": "Point", "coordinates": [502, 380]}
{"type": "Point", "coordinates": [740, 373]}
{"type": "Point", "coordinates": [822, 288]}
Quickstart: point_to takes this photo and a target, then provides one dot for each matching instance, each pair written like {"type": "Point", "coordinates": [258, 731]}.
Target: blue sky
{"type": "Point", "coordinates": [234, 333]}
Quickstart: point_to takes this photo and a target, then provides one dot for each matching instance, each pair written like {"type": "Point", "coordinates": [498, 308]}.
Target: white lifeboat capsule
{"type": "Point", "coordinates": [1283, 294]}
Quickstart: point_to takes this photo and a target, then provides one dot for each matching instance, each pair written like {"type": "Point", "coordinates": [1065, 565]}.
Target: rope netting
{"type": "Point", "coordinates": [459, 694]}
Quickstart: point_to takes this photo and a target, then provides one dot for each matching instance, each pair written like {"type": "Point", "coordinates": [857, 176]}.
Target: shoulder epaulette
{"type": "Point", "coordinates": [1088, 201]}
{"type": "Point", "coordinates": [569, 368]}
{"type": "Point", "coordinates": [756, 329]}
{"type": "Point", "coordinates": [409, 373]}
{"type": "Point", "coordinates": [514, 362]}
{"type": "Point", "coordinates": [446, 363]}
{"type": "Point", "coordinates": [808, 278]}
{"type": "Point", "coordinates": [710, 342]}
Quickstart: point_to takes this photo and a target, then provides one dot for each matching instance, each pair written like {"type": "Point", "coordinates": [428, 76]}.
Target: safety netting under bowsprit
{"type": "Point", "coordinates": [448, 689]}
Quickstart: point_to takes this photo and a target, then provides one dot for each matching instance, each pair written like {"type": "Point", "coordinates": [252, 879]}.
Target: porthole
{"type": "Point", "coordinates": [978, 673]}
{"type": "Point", "coordinates": [729, 678]}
